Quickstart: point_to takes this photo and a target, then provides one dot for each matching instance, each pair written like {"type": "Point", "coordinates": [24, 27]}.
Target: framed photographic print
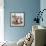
{"type": "Point", "coordinates": [17, 19]}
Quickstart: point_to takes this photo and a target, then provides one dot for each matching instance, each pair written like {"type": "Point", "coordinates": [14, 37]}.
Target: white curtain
{"type": "Point", "coordinates": [1, 20]}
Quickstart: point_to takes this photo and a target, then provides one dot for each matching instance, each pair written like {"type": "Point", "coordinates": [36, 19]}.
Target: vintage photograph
{"type": "Point", "coordinates": [17, 19]}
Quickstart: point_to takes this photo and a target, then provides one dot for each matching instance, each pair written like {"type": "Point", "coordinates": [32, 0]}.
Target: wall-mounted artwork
{"type": "Point", "coordinates": [17, 19]}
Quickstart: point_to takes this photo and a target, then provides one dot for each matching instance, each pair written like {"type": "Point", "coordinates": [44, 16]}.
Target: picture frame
{"type": "Point", "coordinates": [17, 19]}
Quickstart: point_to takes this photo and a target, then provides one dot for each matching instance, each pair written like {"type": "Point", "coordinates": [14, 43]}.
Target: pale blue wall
{"type": "Point", "coordinates": [29, 7]}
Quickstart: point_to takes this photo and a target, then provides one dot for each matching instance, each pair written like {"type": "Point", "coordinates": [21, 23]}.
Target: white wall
{"type": "Point", "coordinates": [1, 20]}
{"type": "Point", "coordinates": [43, 4]}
